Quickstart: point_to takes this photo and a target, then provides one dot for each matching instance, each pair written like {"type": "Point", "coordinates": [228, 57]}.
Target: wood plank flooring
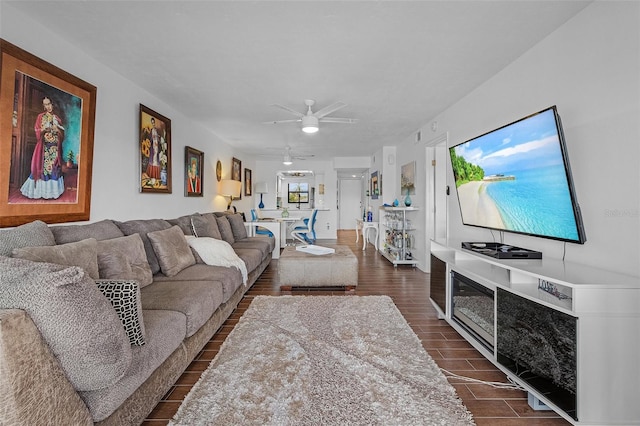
{"type": "Point", "coordinates": [409, 289]}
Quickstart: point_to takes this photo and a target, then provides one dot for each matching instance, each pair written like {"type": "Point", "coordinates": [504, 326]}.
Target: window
{"type": "Point", "coordinates": [298, 192]}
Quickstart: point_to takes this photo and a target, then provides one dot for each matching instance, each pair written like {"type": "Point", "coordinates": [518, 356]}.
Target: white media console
{"type": "Point", "coordinates": [602, 307]}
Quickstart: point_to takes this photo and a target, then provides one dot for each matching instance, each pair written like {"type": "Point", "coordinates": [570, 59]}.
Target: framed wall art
{"type": "Point", "coordinates": [375, 186]}
{"type": "Point", "coordinates": [408, 178]}
{"type": "Point", "coordinates": [46, 140]}
{"type": "Point", "coordinates": [236, 172]}
{"type": "Point", "coordinates": [247, 182]}
{"type": "Point", "coordinates": [193, 172]}
{"type": "Point", "coordinates": [155, 151]}
{"type": "Point", "coordinates": [236, 168]}
{"type": "Point", "coordinates": [218, 170]}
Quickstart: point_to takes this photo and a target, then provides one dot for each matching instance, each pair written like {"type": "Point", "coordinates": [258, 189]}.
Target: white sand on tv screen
{"type": "Point", "coordinates": [477, 206]}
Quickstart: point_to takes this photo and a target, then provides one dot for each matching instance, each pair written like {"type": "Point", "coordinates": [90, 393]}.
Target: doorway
{"type": "Point", "coordinates": [349, 202]}
{"type": "Point", "coordinates": [436, 191]}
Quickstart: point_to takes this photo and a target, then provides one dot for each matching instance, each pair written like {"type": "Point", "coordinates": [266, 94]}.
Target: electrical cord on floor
{"type": "Point", "coordinates": [499, 385]}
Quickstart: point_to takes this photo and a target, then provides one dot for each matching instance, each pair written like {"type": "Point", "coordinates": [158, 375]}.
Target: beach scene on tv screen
{"type": "Point", "coordinates": [514, 178]}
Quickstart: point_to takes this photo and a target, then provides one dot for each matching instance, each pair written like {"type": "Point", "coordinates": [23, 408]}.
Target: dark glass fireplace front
{"type": "Point", "coordinates": [539, 345]}
{"type": "Point", "coordinates": [472, 307]}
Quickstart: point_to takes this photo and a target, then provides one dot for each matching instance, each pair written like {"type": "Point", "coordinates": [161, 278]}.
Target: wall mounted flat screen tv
{"type": "Point", "coordinates": [517, 178]}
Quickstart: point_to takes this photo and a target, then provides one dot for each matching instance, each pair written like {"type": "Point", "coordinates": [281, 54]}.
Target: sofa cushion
{"type": "Point", "coordinates": [231, 278]}
{"type": "Point", "coordinates": [143, 227]}
{"type": "Point", "coordinates": [266, 245]}
{"type": "Point", "coordinates": [124, 258]}
{"type": "Point", "coordinates": [225, 229]}
{"type": "Point", "coordinates": [75, 319]}
{"type": "Point", "coordinates": [197, 300]}
{"type": "Point", "coordinates": [237, 226]}
{"type": "Point", "coordinates": [36, 233]}
{"type": "Point", "coordinates": [102, 230]}
{"type": "Point", "coordinates": [125, 299]}
{"type": "Point", "coordinates": [83, 254]}
{"type": "Point", "coordinates": [184, 222]}
{"type": "Point", "coordinates": [165, 331]}
{"type": "Point", "coordinates": [250, 256]}
{"type": "Point", "coordinates": [172, 250]}
{"type": "Point", "coordinates": [206, 225]}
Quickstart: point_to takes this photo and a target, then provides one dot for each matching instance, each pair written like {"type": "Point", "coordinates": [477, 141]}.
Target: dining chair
{"type": "Point", "coordinates": [306, 233]}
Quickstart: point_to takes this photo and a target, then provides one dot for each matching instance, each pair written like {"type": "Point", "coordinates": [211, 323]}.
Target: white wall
{"type": "Point", "coordinates": [590, 69]}
{"type": "Point", "coordinates": [115, 191]}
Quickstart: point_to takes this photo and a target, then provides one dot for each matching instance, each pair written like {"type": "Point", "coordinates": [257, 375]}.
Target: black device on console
{"type": "Point", "coordinates": [501, 251]}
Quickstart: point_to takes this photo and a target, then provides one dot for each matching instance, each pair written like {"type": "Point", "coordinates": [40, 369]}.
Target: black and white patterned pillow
{"type": "Point", "coordinates": [124, 296]}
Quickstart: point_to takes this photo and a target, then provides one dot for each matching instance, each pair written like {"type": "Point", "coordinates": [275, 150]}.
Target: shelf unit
{"type": "Point", "coordinates": [395, 239]}
{"type": "Point", "coordinates": [605, 304]}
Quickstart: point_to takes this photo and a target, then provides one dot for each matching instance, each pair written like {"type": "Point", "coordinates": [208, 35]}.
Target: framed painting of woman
{"type": "Point", "coordinates": [193, 160]}
{"type": "Point", "coordinates": [46, 142]}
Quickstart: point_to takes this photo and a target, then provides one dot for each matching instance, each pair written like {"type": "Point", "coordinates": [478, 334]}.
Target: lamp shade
{"type": "Point", "coordinates": [230, 188]}
{"type": "Point", "coordinates": [309, 124]}
{"type": "Point", "coordinates": [262, 188]}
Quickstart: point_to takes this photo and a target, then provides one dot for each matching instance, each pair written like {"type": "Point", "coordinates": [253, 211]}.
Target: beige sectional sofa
{"type": "Point", "coordinates": [73, 352]}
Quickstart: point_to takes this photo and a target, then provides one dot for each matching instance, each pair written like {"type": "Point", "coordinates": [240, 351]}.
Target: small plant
{"type": "Point", "coordinates": [70, 158]}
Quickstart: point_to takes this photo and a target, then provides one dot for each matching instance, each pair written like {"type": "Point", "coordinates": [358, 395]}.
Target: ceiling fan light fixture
{"type": "Point", "coordinates": [310, 124]}
{"type": "Point", "coordinates": [287, 160]}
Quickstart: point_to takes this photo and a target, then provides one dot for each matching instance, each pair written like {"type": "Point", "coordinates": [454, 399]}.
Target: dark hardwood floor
{"type": "Point", "coordinates": [409, 289]}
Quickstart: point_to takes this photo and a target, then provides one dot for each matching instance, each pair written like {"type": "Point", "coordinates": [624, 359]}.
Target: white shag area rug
{"type": "Point", "coordinates": [322, 360]}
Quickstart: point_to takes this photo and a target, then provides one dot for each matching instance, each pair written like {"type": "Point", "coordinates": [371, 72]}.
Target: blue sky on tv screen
{"type": "Point", "coordinates": [526, 144]}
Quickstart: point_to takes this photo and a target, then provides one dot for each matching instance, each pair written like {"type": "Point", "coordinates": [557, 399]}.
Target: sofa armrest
{"type": "Point", "coordinates": [35, 390]}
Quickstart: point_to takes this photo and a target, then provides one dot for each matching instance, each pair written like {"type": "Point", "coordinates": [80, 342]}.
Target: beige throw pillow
{"type": "Point", "coordinates": [124, 258]}
{"type": "Point", "coordinates": [172, 250]}
{"type": "Point", "coordinates": [36, 233]}
{"type": "Point", "coordinates": [83, 254]}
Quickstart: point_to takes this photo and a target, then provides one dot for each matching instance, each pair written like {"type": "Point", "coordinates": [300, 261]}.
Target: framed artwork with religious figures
{"type": "Point", "coordinates": [155, 152]}
{"type": "Point", "coordinates": [47, 119]}
{"type": "Point", "coordinates": [193, 172]}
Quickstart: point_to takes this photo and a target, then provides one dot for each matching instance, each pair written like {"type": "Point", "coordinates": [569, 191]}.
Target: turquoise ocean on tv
{"type": "Point", "coordinates": [536, 202]}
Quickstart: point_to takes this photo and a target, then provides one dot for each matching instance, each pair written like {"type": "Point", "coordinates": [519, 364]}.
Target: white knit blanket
{"type": "Point", "coordinates": [217, 253]}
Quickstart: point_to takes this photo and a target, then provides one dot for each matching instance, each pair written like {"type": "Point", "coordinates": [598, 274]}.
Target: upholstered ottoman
{"type": "Point", "coordinates": [300, 269]}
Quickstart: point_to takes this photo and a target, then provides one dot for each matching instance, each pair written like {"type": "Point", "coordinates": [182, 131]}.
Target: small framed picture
{"type": "Point", "coordinates": [236, 168]}
{"type": "Point", "coordinates": [155, 152]}
{"type": "Point", "coordinates": [247, 182]}
{"type": "Point", "coordinates": [193, 172]}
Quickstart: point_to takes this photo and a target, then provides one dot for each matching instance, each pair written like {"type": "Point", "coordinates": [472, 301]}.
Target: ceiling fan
{"type": "Point", "coordinates": [310, 121]}
{"type": "Point", "coordinates": [288, 157]}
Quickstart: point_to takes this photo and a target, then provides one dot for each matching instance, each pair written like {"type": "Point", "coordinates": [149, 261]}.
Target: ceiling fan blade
{"type": "Point", "coordinates": [329, 109]}
{"type": "Point", "coordinates": [281, 121]}
{"type": "Point", "coordinates": [292, 111]}
{"type": "Point", "coordinates": [338, 120]}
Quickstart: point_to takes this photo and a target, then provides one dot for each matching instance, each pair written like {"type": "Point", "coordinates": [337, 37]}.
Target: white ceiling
{"type": "Point", "coordinates": [395, 64]}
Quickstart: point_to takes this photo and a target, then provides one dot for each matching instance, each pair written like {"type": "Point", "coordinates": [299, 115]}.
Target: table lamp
{"type": "Point", "coordinates": [261, 188]}
{"type": "Point", "coordinates": [230, 188]}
